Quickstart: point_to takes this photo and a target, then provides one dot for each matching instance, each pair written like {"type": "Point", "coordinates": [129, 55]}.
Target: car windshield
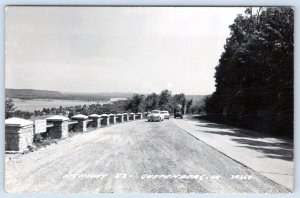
{"type": "Point", "coordinates": [155, 111]}
{"type": "Point", "coordinates": [164, 112]}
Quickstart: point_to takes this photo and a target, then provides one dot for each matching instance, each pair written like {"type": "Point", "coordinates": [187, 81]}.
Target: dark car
{"type": "Point", "coordinates": [178, 114]}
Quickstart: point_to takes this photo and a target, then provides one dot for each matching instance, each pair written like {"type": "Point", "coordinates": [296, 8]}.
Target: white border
{"type": "Point", "coordinates": [293, 3]}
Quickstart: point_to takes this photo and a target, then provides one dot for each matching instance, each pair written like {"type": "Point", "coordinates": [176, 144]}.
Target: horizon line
{"type": "Point", "coordinates": [128, 92]}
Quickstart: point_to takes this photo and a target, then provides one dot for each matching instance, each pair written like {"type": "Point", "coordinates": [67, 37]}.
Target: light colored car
{"type": "Point", "coordinates": [155, 115]}
{"type": "Point", "coordinates": [166, 114]}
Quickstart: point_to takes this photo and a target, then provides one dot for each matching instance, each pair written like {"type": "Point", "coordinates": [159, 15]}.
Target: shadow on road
{"type": "Point", "coordinates": [269, 146]}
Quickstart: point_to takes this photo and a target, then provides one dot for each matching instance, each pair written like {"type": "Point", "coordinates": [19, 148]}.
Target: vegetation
{"type": "Point", "coordinates": [163, 101]}
{"type": "Point", "coordinates": [138, 103]}
{"type": "Point", "coordinates": [9, 107]}
{"type": "Point", "coordinates": [254, 78]}
{"type": "Point", "coordinates": [11, 110]}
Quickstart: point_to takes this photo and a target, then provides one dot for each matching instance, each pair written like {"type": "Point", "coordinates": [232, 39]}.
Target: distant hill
{"type": "Point", "coordinates": [104, 94]}
{"type": "Point", "coordinates": [29, 94]}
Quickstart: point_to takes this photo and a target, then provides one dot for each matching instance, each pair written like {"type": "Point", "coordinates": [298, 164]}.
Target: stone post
{"type": "Point", "coordinates": [18, 134]}
{"type": "Point", "coordinates": [60, 128]}
{"type": "Point", "coordinates": [82, 123]}
{"type": "Point", "coordinates": [105, 119]}
{"type": "Point", "coordinates": [120, 118]}
{"type": "Point", "coordinates": [125, 117]}
{"type": "Point", "coordinates": [131, 116]}
{"type": "Point", "coordinates": [139, 116]}
{"type": "Point", "coordinates": [112, 118]}
{"type": "Point", "coordinates": [96, 120]}
{"type": "Point", "coordinates": [145, 114]}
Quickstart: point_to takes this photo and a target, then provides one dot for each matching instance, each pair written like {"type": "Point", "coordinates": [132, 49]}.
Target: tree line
{"type": "Point", "coordinates": [163, 101]}
{"type": "Point", "coordinates": [255, 75]}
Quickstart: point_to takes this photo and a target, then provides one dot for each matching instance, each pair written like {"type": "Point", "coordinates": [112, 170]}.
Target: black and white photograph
{"type": "Point", "coordinates": [149, 99]}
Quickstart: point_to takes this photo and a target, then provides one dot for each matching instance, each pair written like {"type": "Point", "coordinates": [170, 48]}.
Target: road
{"type": "Point", "coordinates": [137, 156]}
{"type": "Point", "coordinates": [249, 148]}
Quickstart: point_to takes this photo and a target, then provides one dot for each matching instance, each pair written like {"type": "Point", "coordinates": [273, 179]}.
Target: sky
{"type": "Point", "coordinates": [115, 49]}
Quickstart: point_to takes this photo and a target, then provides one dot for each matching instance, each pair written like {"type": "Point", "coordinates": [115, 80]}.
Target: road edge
{"type": "Point", "coordinates": [289, 190]}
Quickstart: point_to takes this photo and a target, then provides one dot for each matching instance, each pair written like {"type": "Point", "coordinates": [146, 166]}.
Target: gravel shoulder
{"type": "Point", "coordinates": [138, 157]}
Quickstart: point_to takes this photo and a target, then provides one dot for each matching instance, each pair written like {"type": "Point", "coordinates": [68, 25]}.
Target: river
{"type": "Point", "coordinates": [39, 104]}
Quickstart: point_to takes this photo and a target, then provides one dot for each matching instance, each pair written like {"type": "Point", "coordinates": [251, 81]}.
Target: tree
{"type": "Point", "coordinates": [165, 100]}
{"type": "Point", "coordinates": [198, 107]}
{"type": "Point", "coordinates": [254, 77]}
{"type": "Point", "coordinates": [135, 105]}
{"type": "Point", "coordinates": [189, 105]}
{"type": "Point", "coordinates": [151, 102]}
{"type": "Point", "coordinates": [180, 101]}
{"type": "Point", "coordinates": [9, 107]}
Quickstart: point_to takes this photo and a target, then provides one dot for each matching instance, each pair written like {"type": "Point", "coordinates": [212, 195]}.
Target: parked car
{"type": "Point", "coordinates": [178, 114]}
{"type": "Point", "coordinates": [166, 114]}
{"type": "Point", "coordinates": [155, 115]}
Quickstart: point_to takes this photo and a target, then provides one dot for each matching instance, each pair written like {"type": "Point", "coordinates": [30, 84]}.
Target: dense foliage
{"type": "Point", "coordinates": [254, 78]}
{"type": "Point", "coordinates": [163, 101]}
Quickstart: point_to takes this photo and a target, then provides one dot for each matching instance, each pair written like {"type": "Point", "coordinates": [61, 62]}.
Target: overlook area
{"type": "Point", "coordinates": [158, 99]}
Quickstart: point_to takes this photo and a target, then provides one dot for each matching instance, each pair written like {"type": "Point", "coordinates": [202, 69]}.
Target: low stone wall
{"type": "Point", "coordinates": [139, 116]}
{"type": "Point", "coordinates": [59, 130]}
{"type": "Point", "coordinates": [60, 127]}
{"type": "Point", "coordinates": [120, 118]}
{"type": "Point", "coordinates": [112, 119]}
{"type": "Point", "coordinates": [18, 138]}
{"type": "Point", "coordinates": [105, 120]}
{"type": "Point", "coordinates": [96, 120]}
{"type": "Point", "coordinates": [132, 116]}
{"type": "Point", "coordinates": [125, 117]}
{"type": "Point", "coordinates": [19, 133]}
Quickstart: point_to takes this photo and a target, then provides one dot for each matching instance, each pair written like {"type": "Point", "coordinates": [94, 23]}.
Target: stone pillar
{"type": "Point", "coordinates": [125, 117]}
{"type": "Point", "coordinates": [145, 114]}
{"type": "Point", "coordinates": [96, 120]}
{"type": "Point", "coordinates": [60, 128]}
{"type": "Point", "coordinates": [139, 116]}
{"type": "Point", "coordinates": [105, 119]}
{"type": "Point", "coordinates": [131, 116]}
{"type": "Point", "coordinates": [112, 119]}
{"type": "Point", "coordinates": [120, 118]}
{"type": "Point", "coordinates": [18, 134]}
{"type": "Point", "coordinates": [82, 123]}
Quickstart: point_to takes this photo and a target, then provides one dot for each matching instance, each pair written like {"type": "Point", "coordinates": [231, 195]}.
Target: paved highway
{"type": "Point", "coordinates": [137, 156]}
